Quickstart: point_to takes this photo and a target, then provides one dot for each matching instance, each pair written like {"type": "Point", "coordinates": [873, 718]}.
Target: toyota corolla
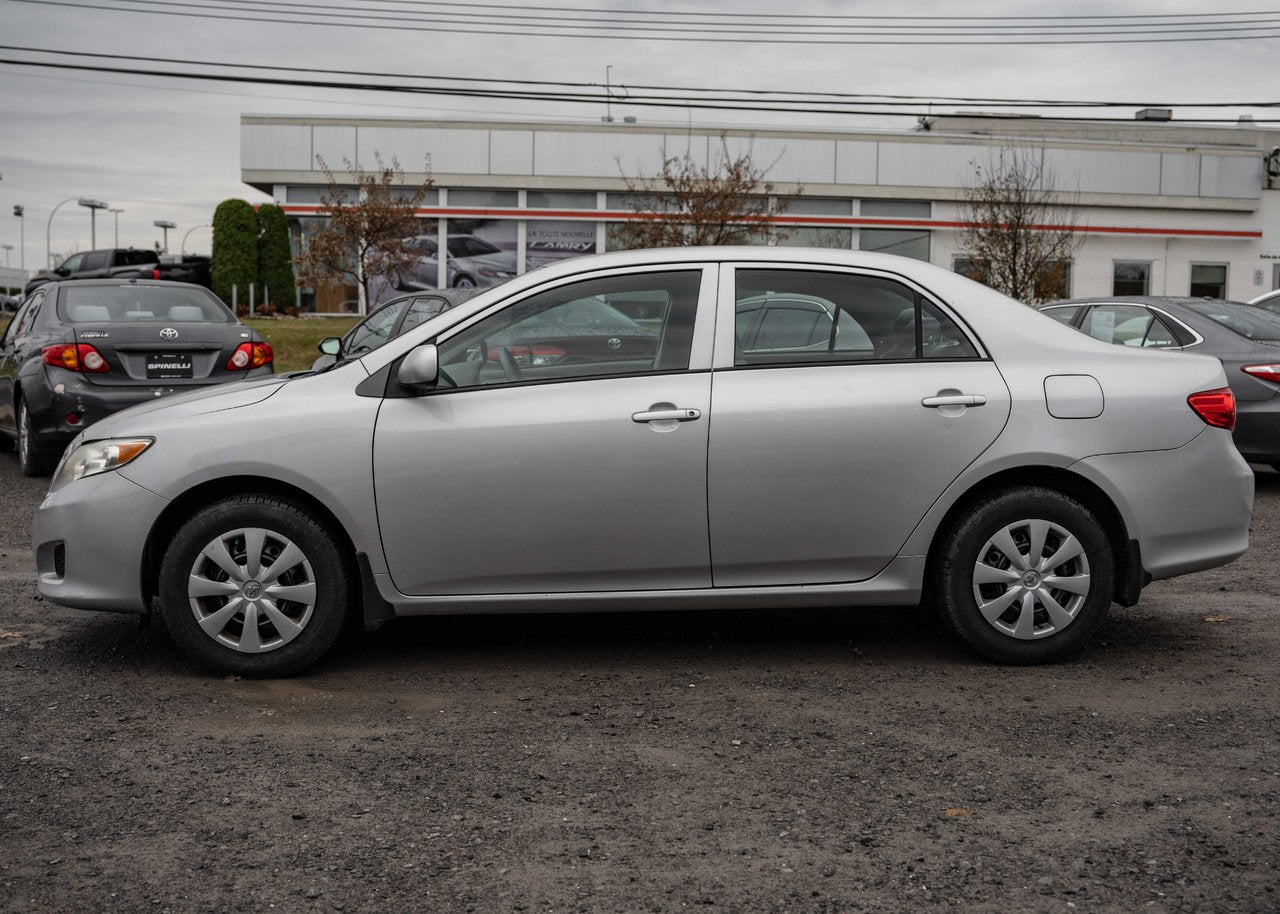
{"type": "Point", "coordinates": [906, 435]}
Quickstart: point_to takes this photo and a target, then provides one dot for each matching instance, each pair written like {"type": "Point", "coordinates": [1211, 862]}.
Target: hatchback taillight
{"type": "Point", "coordinates": [1216, 407]}
{"type": "Point", "coordinates": [1269, 372]}
{"type": "Point", "coordinates": [250, 355]}
{"type": "Point", "coordinates": [75, 357]}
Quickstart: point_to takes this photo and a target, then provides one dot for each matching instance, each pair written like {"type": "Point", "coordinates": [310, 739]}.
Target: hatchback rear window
{"type": "Point", "coordinates": [1246, 320]}
{"type": "Point", "coordinates": [140, 302]}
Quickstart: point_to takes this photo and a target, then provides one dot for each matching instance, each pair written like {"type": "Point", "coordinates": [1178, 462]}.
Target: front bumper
{"type": "Point", "coordinates": [89, 538]}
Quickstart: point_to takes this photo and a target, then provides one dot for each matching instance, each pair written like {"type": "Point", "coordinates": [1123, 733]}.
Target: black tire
{"type": "Point", "coordinates": [1016, 635]}
{"type": "Point", "coordinates": [227, 649]}
{"type": "Point", "coordinates": [464, 281]}
{"type": "Point", "coordinates": [34, 459]}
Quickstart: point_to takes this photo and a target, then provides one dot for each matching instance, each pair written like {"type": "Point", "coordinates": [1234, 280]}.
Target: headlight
{"type": "Point", "coordinates": [98, 457]}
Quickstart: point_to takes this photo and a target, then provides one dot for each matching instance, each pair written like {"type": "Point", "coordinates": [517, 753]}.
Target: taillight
{"type": "Point", "coordinates": [1216, 407]}
{"type": "Point", "coordinates": [1269, 372]}
{"type": "Point", "coordinates": [75, 357]}
{"type": "Point", "coordinates": [525, 356]}
{"type": "Point", "coordinates": [155, 274]}
{"type": "Point", "coordinates": [250, 355]}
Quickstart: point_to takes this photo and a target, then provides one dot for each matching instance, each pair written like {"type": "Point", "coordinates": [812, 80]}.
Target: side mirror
{"type": "Point", "coordinates": [421, 367]}
{"type": "Point", "coordinates": [62, 271]}
{"type": "Point", "coordinates": [330, 345]}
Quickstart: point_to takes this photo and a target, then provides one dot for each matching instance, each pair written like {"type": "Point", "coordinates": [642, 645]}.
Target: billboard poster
{"type": "Point", "coordinates": [552, 240]}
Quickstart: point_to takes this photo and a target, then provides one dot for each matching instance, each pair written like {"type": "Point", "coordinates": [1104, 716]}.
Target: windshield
{"type": "Point", "coordinates": [1248, 321]}
{"type": "Point", "coordinates": [141, 302]}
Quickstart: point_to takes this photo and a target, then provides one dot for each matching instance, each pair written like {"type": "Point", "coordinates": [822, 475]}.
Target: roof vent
{"type": "Point", "coordinates": [1154, 114]}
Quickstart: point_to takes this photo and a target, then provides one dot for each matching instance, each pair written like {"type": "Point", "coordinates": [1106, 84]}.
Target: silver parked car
{"type": "Point", "coordinates": [914, 433]}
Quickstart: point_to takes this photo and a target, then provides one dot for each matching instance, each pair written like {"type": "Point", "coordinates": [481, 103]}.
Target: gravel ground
{"type": "Point", "coordinates": [762, 761]}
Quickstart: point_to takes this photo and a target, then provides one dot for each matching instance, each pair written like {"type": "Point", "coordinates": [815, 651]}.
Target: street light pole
{"type": "Point", "coordinates": [48, 229]}
{"type": "Point", "coordinates": [116, 213]}
{"type": "Point", "coordinates": [183, 249]}
{"type": "Point", "coordinates": [20, 212]}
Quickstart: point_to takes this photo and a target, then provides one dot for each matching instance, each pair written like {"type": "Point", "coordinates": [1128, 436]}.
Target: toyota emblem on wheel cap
{"type": "Point", "coordinates": [168, 333]}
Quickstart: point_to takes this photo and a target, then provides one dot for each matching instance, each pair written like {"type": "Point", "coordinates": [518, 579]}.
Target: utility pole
{"type": "Point", "coordinates": [608, 96]}
{"type": "Point", "coordinates": [22, 237]}
{"type": "Point", "coordinates": [116, 213]}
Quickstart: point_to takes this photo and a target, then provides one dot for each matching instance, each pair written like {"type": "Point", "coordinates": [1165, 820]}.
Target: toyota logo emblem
{"type": "Point", "coordinates": [168, 333]}
{"type": "Point", "coordinates": [615, 343]}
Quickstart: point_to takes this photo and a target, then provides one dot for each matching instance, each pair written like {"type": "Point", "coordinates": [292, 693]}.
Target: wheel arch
{"type": "Point", "coordinates": [189, 502]}
{"type": "Point", "coordinates": [1129, 574]}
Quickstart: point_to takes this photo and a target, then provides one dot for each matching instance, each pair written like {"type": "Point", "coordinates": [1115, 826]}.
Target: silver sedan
{"type": "Point", "coordinates": [786, 428]}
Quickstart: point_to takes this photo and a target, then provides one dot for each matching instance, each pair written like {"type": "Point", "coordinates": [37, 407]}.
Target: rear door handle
{"type": "Point", "coordinates": [658, 415]}
{"type": "Point", "coordinates": [954, 400]}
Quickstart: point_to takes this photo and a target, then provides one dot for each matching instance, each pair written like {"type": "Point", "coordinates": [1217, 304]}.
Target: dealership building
{"type": "Point", "coordinates": [1162, 208]}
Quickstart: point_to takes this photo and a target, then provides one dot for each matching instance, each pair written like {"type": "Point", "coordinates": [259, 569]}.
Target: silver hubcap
{"type": "Point", "coordinates": [252, 590]}
{"type": "Point", "coordinates": [1031, 579]}
{"type": "Point", "coordinates": [24, 430]}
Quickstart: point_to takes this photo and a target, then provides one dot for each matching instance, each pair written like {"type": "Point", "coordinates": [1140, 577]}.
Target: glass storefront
{"type": "Point", "coordinates": [549, 240]}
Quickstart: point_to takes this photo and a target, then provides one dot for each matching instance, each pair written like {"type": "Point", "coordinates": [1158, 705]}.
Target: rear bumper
{"type": "Point", "coordinates": [89, 538]}
{"type": "Point", "coordinates": [1257, 433]}
{"type": "Point", "coordinates": [66, 393]}
{"type": "Point", "coordinates": [1188, 508]}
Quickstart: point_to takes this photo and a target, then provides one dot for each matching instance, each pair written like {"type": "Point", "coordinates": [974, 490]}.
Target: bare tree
{"type": "Point", "coordinates": [371, 226]}
{"type": "Point", "coordinates": [1020, 229]}
{"type": "Point", "coordinates": [689, 204]}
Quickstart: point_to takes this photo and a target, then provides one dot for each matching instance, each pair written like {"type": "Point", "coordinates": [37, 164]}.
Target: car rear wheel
{"type": "Point", "coordinates": [464, 282]}
{"type": "Point", "coordinates": [33, 458]}
{"type": "Point", "coordinates": [254, 586]}
{"type": "Point", "coordinates": [1025, 576]}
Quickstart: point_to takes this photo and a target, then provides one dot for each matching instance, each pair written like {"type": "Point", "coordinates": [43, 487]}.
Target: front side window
{"type": "Point", "coordinates": [375, 330]}
{"type": "Point", "coordinates": [73, 263]}
{"type": "Point", "coordinates": [637, 323]}
{"type": "Point", "coordinates": [798, 317]}
{"type": "Point", "coordinates": [1131, 278]}
{"type": "Point", "coordinates": [1209, 280]}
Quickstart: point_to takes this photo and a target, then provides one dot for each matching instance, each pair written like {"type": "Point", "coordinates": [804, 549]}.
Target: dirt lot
{"type": "Point", "coordinates": [788, 761]}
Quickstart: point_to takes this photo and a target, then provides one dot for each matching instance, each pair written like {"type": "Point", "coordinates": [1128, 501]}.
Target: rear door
{"type": "Point", "coordinates": [11, 356]}
{"type": "Point", "coordinates": [822, 459]}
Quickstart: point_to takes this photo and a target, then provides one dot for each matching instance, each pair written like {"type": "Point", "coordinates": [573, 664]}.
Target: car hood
{"type": "Point", "coordinates": [181, 406]}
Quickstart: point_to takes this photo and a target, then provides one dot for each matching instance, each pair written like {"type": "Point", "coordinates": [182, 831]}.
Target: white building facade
{"type": "Point", "coordinates": [1162, 209]}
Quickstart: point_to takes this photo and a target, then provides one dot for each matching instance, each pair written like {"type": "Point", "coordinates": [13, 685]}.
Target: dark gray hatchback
{"type": "Point", "coordinates": [1245, 338]}
{"type": "Point", "coordinates": [77, 352]}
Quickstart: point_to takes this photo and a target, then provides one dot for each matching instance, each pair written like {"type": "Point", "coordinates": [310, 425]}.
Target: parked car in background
{"type": "Point", "coordinates": [9, 303]}
{"type": "Point", "coordinates": [593, 435]}
{"type": "Point", "coordinates": [386, 322]}
{"type": "Point", "coordinates": [1245, 338]}
{"type": "Point", "coordinates": [125, 263]}
{"type": "Point", "coordinates": [77, 352]}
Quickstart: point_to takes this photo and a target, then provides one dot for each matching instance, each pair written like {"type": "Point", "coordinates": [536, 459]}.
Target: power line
{"type": "Point", "coordinates": [790, 97]}
{"type": "Point", "coordinates": [573, 98]}
{"type": "Point", "coordinates": [612, 33]}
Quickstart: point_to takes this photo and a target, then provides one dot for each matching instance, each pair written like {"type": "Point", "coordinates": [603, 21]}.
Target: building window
{"type": "Point", "coordinates": [1209, 280]}
{"type": "Point", "coordinates": [560, 199]}
{"type": "Point", "coordinates": [1129, 278]}
{"type": "Point", "coordinates": [903, 242]}
{"type": "Point", "coordinates": [897, 209]}
{"type": "Point", "coordinates": [814, 236]}
{"type": "Point", "coordinates": [468, 196]}
{"type": "Point", "coordinates": [819, 206]}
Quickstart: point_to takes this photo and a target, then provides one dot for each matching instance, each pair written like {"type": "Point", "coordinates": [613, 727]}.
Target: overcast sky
{"type": "Point", "coordinates": [169, 149]}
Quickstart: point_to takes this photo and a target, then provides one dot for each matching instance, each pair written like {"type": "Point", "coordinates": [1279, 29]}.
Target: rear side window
{"type": "Point", "coordinates": [91, 304]}
{"type": "Point", "coordinates": [799, 316]}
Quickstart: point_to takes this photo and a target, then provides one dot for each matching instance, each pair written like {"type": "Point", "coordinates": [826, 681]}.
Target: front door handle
{"type": "Point", "coordinates": [954, 400]}
{"type": "Point", "coordinates": [675, 413]}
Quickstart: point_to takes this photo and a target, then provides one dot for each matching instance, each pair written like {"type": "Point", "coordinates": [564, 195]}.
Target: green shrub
{"type": "Point", "coordinates": [235, 250]}
{"type": "Point", "coordinates": [275, 260]}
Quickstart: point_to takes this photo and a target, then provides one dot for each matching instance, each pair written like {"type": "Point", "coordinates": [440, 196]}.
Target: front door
{"type": "Point", "coordinates": [564, 449]}
{"type": "Point", "coordinates": [831, 438]}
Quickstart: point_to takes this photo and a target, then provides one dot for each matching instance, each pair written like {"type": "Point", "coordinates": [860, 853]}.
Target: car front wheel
{"type": "Point", "coordinates": [254, 586]}
{"type": "Point", "coordinates": [1025, 576]}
